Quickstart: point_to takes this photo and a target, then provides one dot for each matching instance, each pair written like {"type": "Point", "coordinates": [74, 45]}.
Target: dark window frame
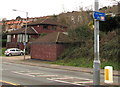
{"type": "Point", "coordinates": [45, 27]}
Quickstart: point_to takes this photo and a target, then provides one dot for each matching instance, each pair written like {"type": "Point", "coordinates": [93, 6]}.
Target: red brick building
{"type": "Point", "coordinates": [48, 26]}
{"type": "Point", "coordinates": [49, 47]}
{"type": "Point", "coordinates": [35, 29]}
{"type": "Point", "coordinates": [17, 37]}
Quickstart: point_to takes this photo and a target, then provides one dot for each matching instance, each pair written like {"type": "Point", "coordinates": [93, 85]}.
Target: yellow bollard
{"type": "Point", "coordinates": [108, 74]}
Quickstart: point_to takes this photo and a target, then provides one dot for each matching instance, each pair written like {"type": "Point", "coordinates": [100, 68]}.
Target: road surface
{"type": "Point", "coordinates": [21, 74]}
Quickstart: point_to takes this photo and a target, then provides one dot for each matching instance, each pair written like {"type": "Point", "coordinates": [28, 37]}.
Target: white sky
{"type": "Point", "coordinates": [38, 8]}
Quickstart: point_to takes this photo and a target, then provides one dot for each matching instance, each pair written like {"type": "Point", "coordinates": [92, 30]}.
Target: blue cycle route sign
{"type": "Point", "coordinates": [99, 16]}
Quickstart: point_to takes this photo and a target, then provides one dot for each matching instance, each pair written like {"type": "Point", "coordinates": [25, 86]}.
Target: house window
{"type": "Point", "coordinates": [8, 38]}
{"type": "Point", "coordinates": [13, 36]}
{"type": "Point", "coordinates": [45, 26]}
{"type": "Point", "coordinates": [25, 39]}
{"type": "Point", "coordinates": [20, 37]}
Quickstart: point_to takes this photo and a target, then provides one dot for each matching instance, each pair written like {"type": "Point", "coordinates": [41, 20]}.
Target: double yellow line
{"type": "Point", "coordinates": [10, 83]}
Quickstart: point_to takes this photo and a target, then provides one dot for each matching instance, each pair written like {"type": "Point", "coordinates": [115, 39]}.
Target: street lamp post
{"type": "Point", "coordinates": [96, 65]}
{"type": "Point", "coordinates": [25, 31]}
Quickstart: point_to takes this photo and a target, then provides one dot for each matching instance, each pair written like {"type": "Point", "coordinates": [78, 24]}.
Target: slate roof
{"type": "Point", "coordinates": [29, 30]}
{"type": "Point", "coordinates": [56, 37]}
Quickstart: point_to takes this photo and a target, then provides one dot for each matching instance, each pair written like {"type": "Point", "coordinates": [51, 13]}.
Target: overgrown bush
{"type": "Point", "coordinates": [81, 34]}
{"type": "Point", "coordinates": [75, 54]}
{"type": "Point", "coordinates": [109, 46]}
{"type": "Point", "coordinates": [84, 36]}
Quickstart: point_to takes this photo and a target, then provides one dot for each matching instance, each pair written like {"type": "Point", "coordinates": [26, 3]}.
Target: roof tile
{"type": "Point", "coordinates": [59, 37]}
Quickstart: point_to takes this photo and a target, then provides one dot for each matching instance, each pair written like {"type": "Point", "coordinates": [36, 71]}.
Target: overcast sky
{"type": "Point", "coordinates": [38, 8]}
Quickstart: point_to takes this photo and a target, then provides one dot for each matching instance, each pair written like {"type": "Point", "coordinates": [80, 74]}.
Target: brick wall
{"type": "Point", "coordinates": [46, 51]}
{"type": "Point", "coordinates": [50, 29]}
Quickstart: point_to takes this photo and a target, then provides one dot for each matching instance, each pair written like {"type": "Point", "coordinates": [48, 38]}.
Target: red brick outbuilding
{"type": "Point", "coordinates": [49, 47]}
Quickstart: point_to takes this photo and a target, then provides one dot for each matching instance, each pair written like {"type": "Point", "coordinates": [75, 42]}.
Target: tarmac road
{"type": "Point", "coordinates": [28, 75]}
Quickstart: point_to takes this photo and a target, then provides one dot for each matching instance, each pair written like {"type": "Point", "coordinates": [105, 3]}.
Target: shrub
{"type": "Point", "coordinates": [81, 34]}
{"type": "Point", "coordinates": [84, 48]}
{"type": "Point", "coordinates": [83, 55]}
{"type": "Point", "coordinates": [109, 46]}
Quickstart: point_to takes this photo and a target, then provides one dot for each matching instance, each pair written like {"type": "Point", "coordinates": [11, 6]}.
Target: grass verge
{"type": "Point", "coordinates": [84, 62]}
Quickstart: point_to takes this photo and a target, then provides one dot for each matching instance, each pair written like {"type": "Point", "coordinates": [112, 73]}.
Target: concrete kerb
{"type": "Point", "coordinates": [54, 66]}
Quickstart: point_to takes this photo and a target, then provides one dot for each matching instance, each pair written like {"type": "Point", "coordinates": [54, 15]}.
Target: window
{"type": "Point", "coordinates": [12, 50]}
{"type": "Point", "coordinates": [45, 26]}
{"type": "Point", "coordinates": [18, 50]}
{"type": "Point", "coordinates": [8, 38]}
{"type": "Point", "coordinates": [21, 38]}
{"type": "Point", "coordinates": [25, 38]}
{"type": "Point", "coordinates": [13, 36]}
{"type": "Point", "coordinates": [18, 38]}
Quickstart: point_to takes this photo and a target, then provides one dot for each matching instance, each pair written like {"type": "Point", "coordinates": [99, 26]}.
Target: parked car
{"type": "Point", "coordinates": [13, 51]}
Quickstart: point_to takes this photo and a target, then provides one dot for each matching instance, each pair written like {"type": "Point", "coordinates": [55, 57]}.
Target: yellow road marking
{"type": "Point", "coordinates": [9, 82]}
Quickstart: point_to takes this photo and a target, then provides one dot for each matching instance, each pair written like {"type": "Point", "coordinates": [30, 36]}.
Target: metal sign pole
{"type": "Point", "coordinates": [96, 65]}
{"type": "Point", "coordinates": [25, 40]}
{"type": "Point", "coordinates": [25, 35]}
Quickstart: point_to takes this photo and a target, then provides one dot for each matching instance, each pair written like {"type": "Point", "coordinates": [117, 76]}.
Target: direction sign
{"type": "Point", "coordinates": [99, 16]}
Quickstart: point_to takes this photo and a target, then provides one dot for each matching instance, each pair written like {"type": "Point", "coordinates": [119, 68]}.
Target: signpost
{"type": "Point", "coordinates": [99, 16]}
